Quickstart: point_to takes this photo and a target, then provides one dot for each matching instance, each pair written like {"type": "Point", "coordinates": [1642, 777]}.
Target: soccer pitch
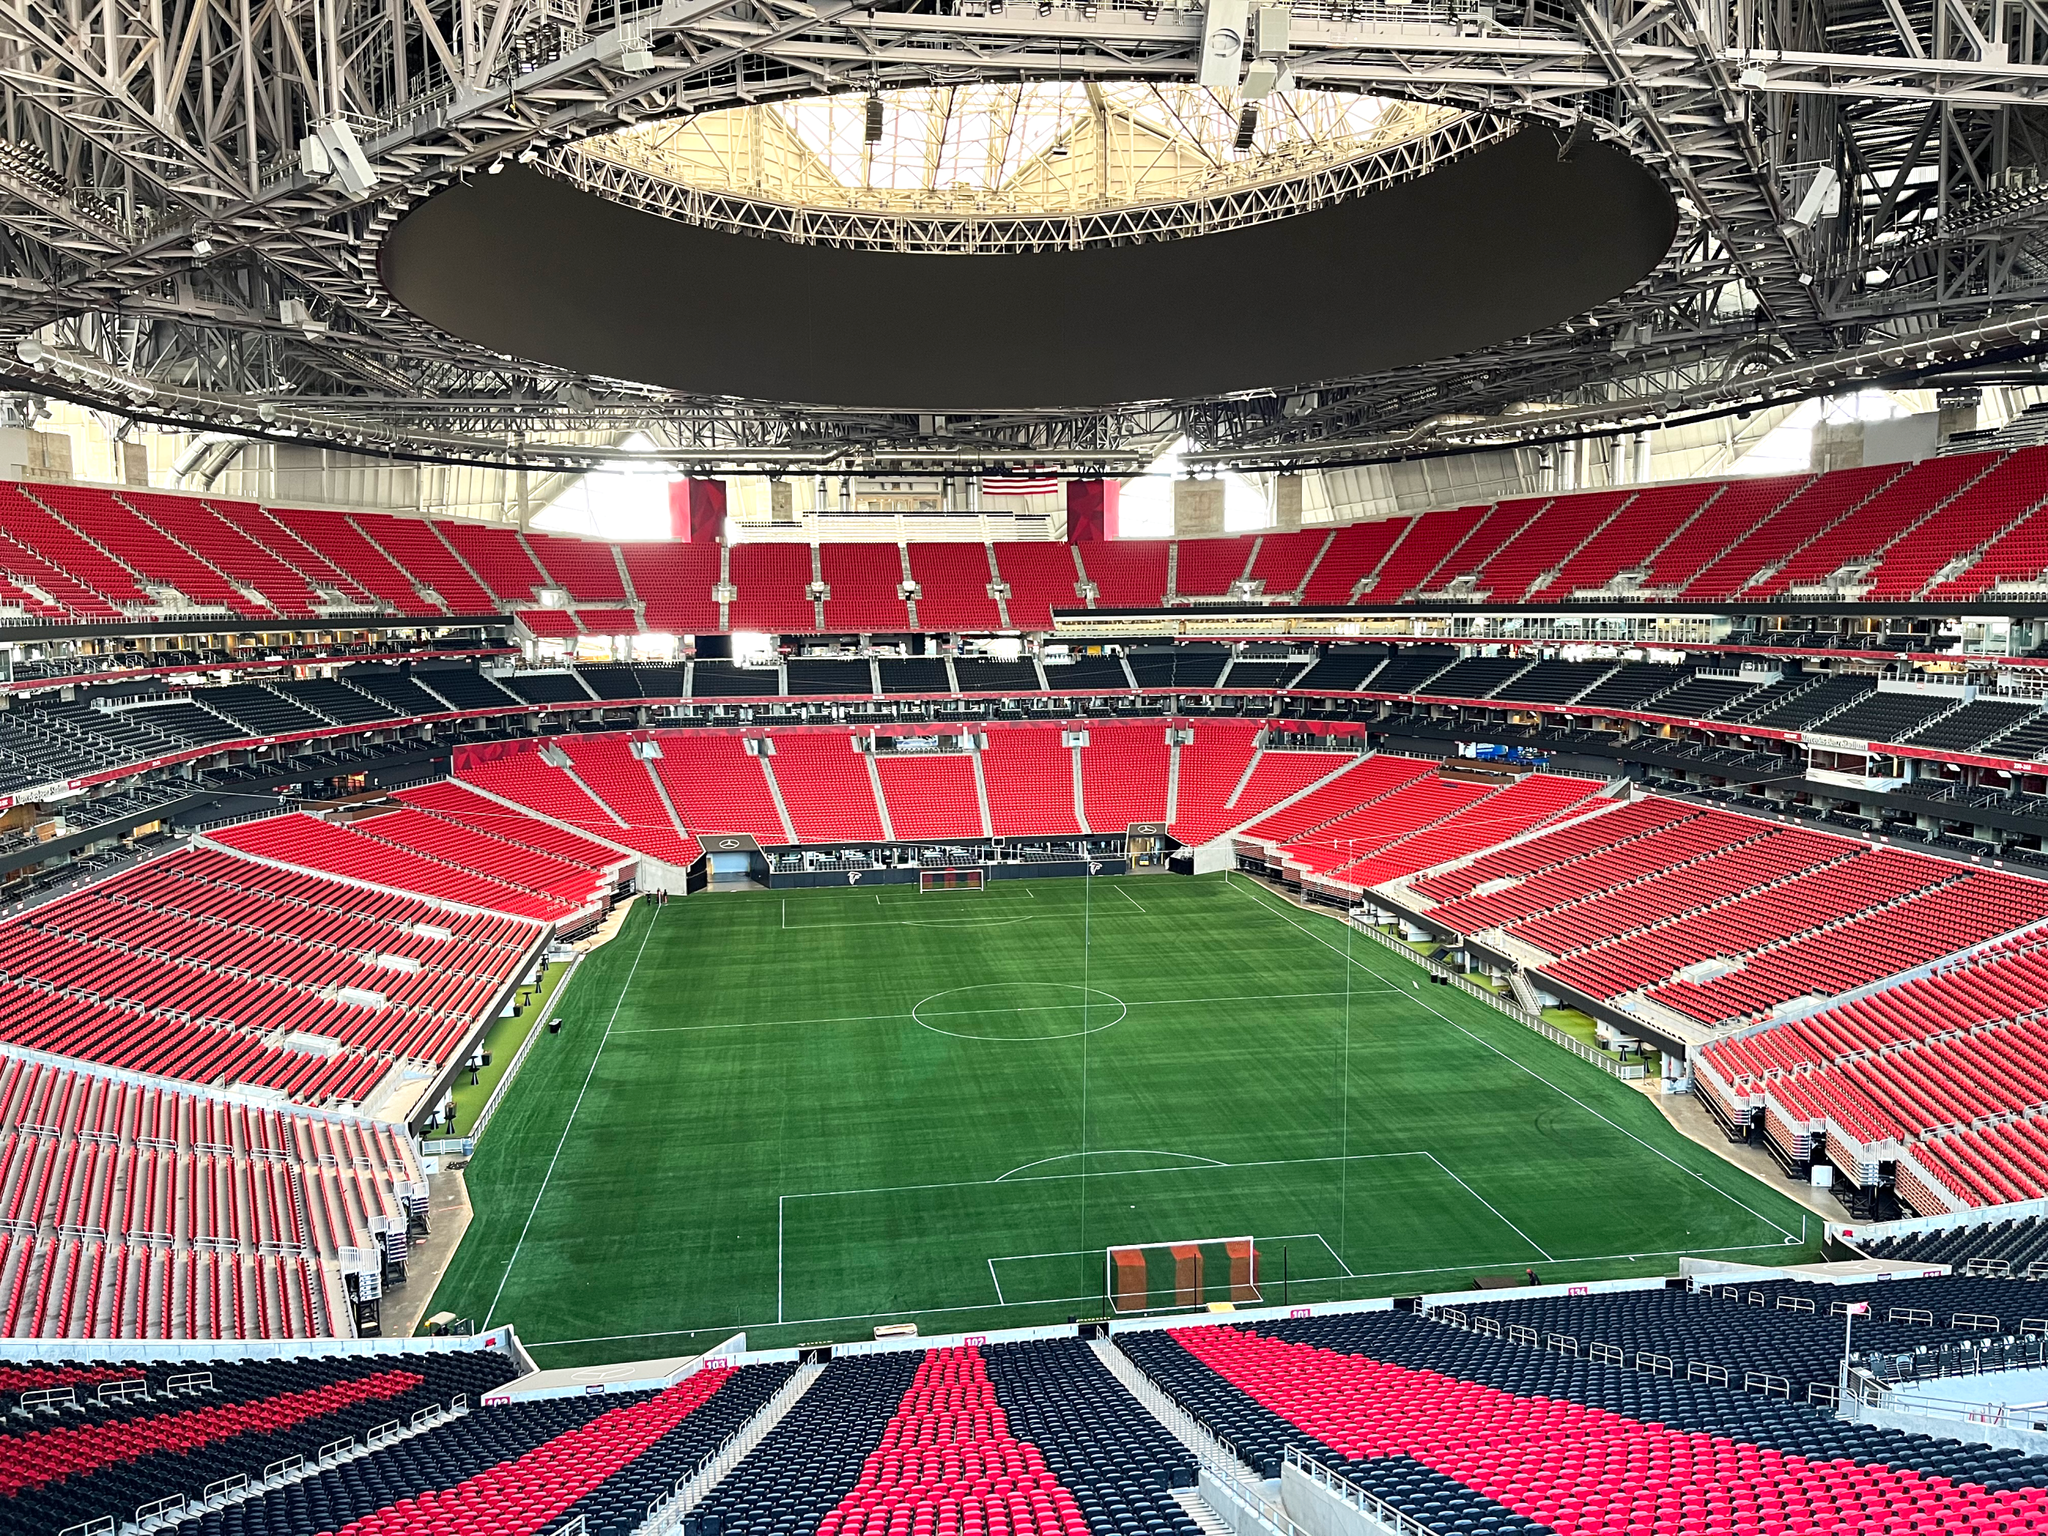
{"type": "Point", "coordinates": [806, 1114]}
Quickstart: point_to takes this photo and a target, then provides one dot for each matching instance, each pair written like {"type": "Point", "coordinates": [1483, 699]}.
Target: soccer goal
{"type": "Point", "coordinates": [949, 880]}
{"type": "Point", "coordinates": [1149, 1277]}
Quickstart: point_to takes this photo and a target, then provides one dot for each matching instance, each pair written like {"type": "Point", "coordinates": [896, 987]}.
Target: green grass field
{"type": "Point", "coordinates": [805, 1115]}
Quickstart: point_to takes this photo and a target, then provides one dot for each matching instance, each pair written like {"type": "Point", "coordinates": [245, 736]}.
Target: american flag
{"type": "Point", "coordinates": [1019, 485]}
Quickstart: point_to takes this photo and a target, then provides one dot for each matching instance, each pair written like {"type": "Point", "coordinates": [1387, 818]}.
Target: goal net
{"type": "Point", "coordinates": [1147, 1277]}
{"type": "Point", "coordinates": [948, 880]}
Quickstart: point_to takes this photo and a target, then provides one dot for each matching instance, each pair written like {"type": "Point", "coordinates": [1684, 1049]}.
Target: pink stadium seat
{"type": "Point", "coordinates": [1207, 567]}
{"type": "Point", "coordinates": [310, 843]}
{"type": "Point", "coordinates": [1422, 544]}
{"type": "Point", "coordinates": [1284, 559]}
{"type": "Point", "coordinates": [1124, 771]}
{"type": "Point", "coordinates": [930, 794]}
{"type": "Point", "coordinates": [1128, 573]}
{"type": "Point", "coordinates": [716, 786]}
{"type": "Point", "coordinates": [825, 786]}
{"type": "Point", "coordinates": [674, 582]}
{"type": "Point", "coordinates": [414, 544]}
{"type": "Point", "coordinates": [1030, 779]}
{"type": "Point", "coordinates": [865, 582]}
{"type": "Point", "coordinates": [499, 559]}
{"type": "Point", "coordinates": [587, 569]}
{"type": "Point", "coordinates": [948, 1464]}
{"type": "Point", "coordinates": [772, 580]}
{"type": "Point", "coordinates": [1355, 553]}
{"type": "Point", "coordinates": [953, 582]}
{"type": "Point", "coordinates": [1041, 578]}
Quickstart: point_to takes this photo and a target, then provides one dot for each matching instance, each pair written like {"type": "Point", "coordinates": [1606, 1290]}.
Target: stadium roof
{"type": "Point", "coordinates": [195, 204]}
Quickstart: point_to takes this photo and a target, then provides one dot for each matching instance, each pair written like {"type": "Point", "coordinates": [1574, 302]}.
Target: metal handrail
{"type": "Point", "coordinates": [1626, 1071]}
{"type": "Point", "coordinates": [1367, 1501]}
{"type": "Point", "coordinates": [176, 1508]}
{"type": "Point", "coordinates": [666, 1511]}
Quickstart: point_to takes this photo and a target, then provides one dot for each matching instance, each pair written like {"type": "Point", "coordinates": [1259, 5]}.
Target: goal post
{"type": "Point", "coordinates": [1152, 1277]}
{"type": "Point", "coordinates": [929, 880]}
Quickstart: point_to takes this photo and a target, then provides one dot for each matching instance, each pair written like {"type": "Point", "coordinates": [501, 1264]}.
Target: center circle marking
{"type": "Point", "coordinates": [979, 1010]}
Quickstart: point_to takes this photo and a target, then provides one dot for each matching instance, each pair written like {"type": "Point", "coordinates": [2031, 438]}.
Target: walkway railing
{"type": "Point", "coordinates": [1627, 1071]}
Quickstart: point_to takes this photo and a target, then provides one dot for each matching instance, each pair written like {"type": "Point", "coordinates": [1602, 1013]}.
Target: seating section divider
{"type": "Point", "coordinates": [181, 1425]}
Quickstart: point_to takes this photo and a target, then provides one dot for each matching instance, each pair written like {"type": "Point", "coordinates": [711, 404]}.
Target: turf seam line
{"type": "Point", "coordinates": [1531, 1071]}
{"type": "Point", "coordinates": [541, 1193]}
{"type": "Point", "coordinates": [882, 1018]}
{"type": "Point", "coordinates": [1058, 1178]}
{"type": "Point", "coordinates": [1060, 1157]}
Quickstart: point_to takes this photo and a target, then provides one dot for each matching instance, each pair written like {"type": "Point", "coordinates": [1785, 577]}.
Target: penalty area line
{"type": "Point", "coordinates": [1525, 1237]}
{"type": "Point", "coordinates": [1524, 1067]}
{"type": "Point", "coordinates": [876, 1018]}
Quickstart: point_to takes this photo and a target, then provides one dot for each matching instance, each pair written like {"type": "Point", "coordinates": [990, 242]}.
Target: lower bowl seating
{"type": "Point", "coordinates": [1571, 1445]}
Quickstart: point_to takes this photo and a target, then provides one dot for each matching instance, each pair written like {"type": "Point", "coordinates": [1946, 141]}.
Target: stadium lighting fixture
{"type": "Point", "coordinates": [1876, 277]}
{"type": "Point", "coordinates": [529, 154]}
{"type": "Point", "coordinates": [202, 246]}
{"type": "Point", "coordinates": [495, 166]}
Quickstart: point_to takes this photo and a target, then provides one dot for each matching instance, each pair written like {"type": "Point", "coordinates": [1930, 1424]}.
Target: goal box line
{"type": "Point", "coordinates": [1183, 1274]}
{"type": "Point", "coordinates": [951, 879]}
